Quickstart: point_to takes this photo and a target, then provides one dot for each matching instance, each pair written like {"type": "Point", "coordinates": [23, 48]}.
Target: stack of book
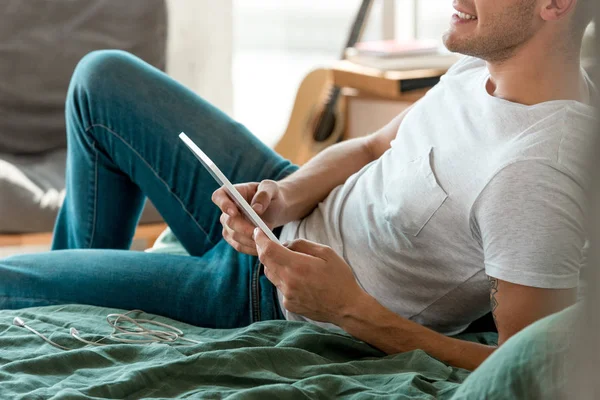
{"type": "Point", "coordinates": [391, 55]}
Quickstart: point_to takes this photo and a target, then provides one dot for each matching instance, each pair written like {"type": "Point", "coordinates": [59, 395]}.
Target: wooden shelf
{"type": "Point", "coordinates": [397, 85]}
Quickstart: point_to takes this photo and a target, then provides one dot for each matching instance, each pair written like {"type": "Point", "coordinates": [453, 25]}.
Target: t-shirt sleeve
{"type": "Point", "coordinates": [529, 220]}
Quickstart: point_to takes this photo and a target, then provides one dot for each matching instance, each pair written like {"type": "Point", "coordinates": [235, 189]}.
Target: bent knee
{"type": "Point", "coordinates": [99, 69]}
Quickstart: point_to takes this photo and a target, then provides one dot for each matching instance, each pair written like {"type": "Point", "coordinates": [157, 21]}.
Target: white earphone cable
{"type": "Point", "coordinates": [123, 332]}
{"type": "Point", "coordinates": [19, 322]}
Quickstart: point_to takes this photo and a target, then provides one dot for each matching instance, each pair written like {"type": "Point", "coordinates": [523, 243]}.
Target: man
{"type": "Point", "coordinates": [392, 237]}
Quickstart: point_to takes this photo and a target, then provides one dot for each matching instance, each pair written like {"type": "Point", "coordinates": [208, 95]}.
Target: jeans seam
{"type": "Point", "coordinates": [93, 236]}
{"type": "Point", "coordinates": [155, 174]}
{"type": "Point", "coordinates": [255, 292]}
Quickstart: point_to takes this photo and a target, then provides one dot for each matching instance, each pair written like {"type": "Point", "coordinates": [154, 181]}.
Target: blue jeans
{"type": "Point", "coordinates": [123, 121]}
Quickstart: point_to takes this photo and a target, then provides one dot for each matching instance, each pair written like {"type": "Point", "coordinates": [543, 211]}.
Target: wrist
{"type": "Point", "coordinates": [356, 309]}
{"type": "Point", "coordinates": [368, 320]}
{"type": "Point", "coordinates": [287, 209]}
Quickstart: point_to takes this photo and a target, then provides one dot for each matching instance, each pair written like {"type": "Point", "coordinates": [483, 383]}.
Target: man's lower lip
{"type": "Point", "coordinates": [458, 20]}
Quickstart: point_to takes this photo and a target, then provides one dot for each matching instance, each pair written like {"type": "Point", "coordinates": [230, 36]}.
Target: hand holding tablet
{"type": "Point", "coordinates": [216, 173]}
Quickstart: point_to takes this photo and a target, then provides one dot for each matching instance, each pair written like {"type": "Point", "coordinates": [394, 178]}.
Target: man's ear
{"type": "Point", "coordinates": [554, 10]}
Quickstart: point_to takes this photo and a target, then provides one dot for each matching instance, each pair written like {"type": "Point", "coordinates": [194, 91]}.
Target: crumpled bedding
{"type": "Point", "coordinates": [274, 359]}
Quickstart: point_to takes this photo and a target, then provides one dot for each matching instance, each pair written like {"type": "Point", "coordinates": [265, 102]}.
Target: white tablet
{"type": "Point", "coordinates": [232, 191]}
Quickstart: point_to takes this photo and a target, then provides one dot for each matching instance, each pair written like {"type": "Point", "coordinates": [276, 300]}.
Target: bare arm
{"type": "Point", "coordinates": [306, 271]}
{"type": "Point", "coordinates": [297, 195]}
{"type": "Point", "coordinates": [514, 307]}
{"type": "Point", "coordinates": [305, 188]}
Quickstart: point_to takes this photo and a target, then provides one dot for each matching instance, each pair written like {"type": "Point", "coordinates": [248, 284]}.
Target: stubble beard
{"type": "Point", "coordinates": [497, 40]}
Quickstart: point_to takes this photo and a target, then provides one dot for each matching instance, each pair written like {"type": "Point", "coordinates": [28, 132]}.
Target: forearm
{"type": "Point", "coordinates": [371, 322]}
{"type": "Point", "coordinates": [308, 186]}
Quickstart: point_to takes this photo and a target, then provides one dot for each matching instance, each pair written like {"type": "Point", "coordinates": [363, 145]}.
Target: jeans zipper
{"type": "Point", "coordinates": [256, 317]}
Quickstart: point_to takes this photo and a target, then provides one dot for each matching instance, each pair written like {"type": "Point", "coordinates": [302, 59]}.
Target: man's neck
{"type": "Point", "coordinates": [535, 75]}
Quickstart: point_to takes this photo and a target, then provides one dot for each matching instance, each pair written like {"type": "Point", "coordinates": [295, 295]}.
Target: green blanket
{"type": "Point", "coordinates": [267, 360]}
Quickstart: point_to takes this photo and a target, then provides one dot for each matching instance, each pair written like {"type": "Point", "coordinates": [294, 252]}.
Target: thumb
{"type": "Point", "coordinates": [264, 194]}
{"type": "Point", "coordinates": [310, 248]}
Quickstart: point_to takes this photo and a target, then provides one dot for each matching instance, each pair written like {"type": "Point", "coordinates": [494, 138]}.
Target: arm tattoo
{"type": "Point", "coordinates": [493, 301]}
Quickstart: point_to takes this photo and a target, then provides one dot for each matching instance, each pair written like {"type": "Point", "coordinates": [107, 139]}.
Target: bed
{"type": "Point", "coordinates": [268, 360]}
{"type": "Point", "coordinates": [274, 359]}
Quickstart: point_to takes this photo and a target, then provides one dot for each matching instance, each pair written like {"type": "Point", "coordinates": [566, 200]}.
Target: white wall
{"type": "Point", "coordinates": [202, 41]}
{"type": "Point", "coordinates": [200, 48]}
{"type": "Point", "coordinates": [322, 25]}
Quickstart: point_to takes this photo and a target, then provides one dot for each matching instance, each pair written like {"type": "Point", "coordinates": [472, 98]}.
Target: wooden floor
{"type": "Point", "coordinates": [146, 234]}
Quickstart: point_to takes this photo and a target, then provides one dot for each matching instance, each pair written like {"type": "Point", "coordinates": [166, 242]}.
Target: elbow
{"type": "Point", "coordinates": [369, 148]}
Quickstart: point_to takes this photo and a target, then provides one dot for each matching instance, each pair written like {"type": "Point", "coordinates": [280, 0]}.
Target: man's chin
{"type": "Point", "coordinates": [452, 43]}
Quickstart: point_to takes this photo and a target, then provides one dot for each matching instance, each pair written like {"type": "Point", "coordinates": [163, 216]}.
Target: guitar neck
{"type": "Point", "coordinates": [357, 26]}
{"type": "Point", "coordinates": [334, 94]}
{"type": "Point", "coordinates": [326, 121]}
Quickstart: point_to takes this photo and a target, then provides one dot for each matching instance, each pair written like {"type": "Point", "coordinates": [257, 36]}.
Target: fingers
{"type": "Point", "coordinates": [221, 198]}
{"type": "Point", "coordinates": [270, 253]}
{"type": "Point", "coordinates": [238, 224]}
{"type": "Point", "coordinates": [264, 194]}
{"type": "Point", "coordinates": [224, 202]}
{"type": "Point", "coordinates": [285, 268]}
{"type": "Point", "coordinates": [246, 249]}
{"type": "Point", "coordinates": [240, 237]}
{"type": "Point", "coordinates": [240, 245]}
{"type": "Point", "coordinates": [310, 248]}
{"type": "Point", "coordinates": [251, 250]}
{"type": "Point", "coordinates": [273, 257]}
{"type": "Point", "coordinates": [233, 236]}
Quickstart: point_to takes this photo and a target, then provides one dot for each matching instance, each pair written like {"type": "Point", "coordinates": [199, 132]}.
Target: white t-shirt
{"type": "Point", "coordinates": [473, 185]}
